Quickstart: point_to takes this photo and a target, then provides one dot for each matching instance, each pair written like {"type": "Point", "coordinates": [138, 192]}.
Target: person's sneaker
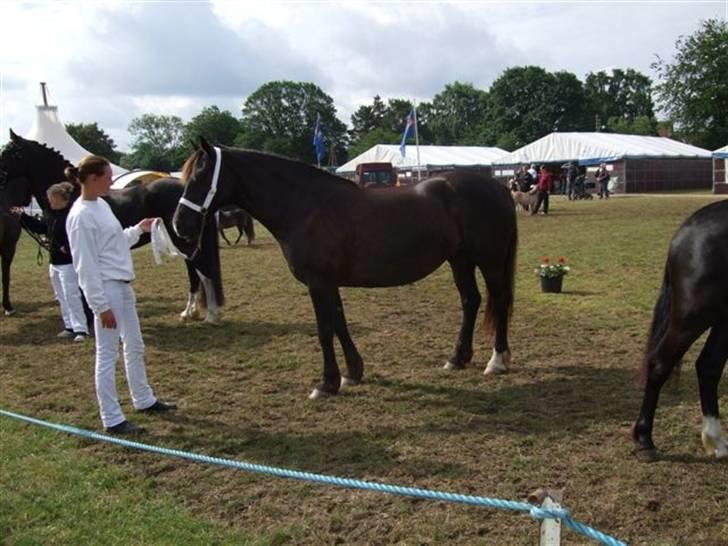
{"type": "Point", "coordinates": [125, 427]}
{"type": "Point", "coordinates": [81, 336]}
{"type": "Point", "coordinates": [65, 334]}
{"type": "Point", "coordinates": [159, 407]}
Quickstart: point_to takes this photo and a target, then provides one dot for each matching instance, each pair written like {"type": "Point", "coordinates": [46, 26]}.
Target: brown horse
{"type": "Point", "coordinates": [232, 216]}
{"type": "Point", "coordinates": [693, 299]}
{"type": "Point", "coordinates": [334, 233]}
{"type": "Point", "coordinates": [9, 235]}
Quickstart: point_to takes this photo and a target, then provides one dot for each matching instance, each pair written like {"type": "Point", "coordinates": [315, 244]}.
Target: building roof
{"type": "Point", "coordinates": [592, 148]}
{"type": "Point", "coordinates": [430, 157]}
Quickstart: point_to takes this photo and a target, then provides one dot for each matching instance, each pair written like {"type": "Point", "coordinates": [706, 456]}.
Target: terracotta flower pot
{"type": "Point", "coordinates": [552, 284]}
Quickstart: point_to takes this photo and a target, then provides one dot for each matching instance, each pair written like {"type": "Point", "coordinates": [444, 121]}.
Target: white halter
{"type": "Point", "coordinates": [213, 187]}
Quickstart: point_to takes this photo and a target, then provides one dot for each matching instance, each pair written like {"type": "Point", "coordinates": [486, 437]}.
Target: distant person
{"type": "Point", "coordinates": [524, 179]}
{"type": "Point", "coordinates": [545, 186]}
{"type": "Point", "coordinates": [533, 171]}
{"type": "Point", "coordinates": [602, 178]}
{"type": "Point", "coordinates": [572, 172]}
{"type": "Point", "coordinates": [102, 259]}
{"type": "Point", "coordinates": [60, 270]}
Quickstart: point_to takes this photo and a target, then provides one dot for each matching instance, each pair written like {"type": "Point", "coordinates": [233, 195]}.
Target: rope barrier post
{"type": "Point", "coordinates": [550, 528]}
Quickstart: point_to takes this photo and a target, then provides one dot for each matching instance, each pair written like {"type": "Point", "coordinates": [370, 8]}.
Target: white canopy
{"type": "Point", "coordinates": [138, 176]}
{"type": "Point", "coordinates": [721, 153]}
{"type": "Point", "coordinates": [431, 157]}
{"type": "Point", "coordinates": [592, 148]}
{"type": "Point", "coordinates": [48, 129]}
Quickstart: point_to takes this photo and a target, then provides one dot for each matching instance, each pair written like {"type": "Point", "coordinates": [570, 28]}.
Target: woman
{"type": "Point", "coordinates": [102, 259]}
{"type": "Point", "coordinates": [63, 277]}
{"type": "Point", "coordinates": [545, 186]}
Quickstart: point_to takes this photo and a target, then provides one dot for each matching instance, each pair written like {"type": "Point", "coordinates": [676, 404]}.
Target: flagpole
{"type": "Point", "coordinates": [417, 142]}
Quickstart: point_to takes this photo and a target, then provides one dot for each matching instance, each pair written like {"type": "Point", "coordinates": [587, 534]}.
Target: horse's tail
{"type": "Point", "coordinates": [509, 279]}
{"type": "Point", "coordinates": [210, 257]}
{"type": "Point", "coordinates": [658, 328]}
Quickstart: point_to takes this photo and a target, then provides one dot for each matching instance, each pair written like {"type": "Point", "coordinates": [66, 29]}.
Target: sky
{"type": "Point", "coordinates": [109, 62]}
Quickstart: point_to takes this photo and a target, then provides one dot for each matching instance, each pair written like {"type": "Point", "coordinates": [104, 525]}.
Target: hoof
{"type": "Point", "coordinates": [318, 394]}
{"type": "Point", "coordinates": [646, 455]}
{"type": "Point", "coordinates": [495, 370]}
{"type": "Point", "coordinates": [213, 321]}
{"type": "Point", "coordinates": [9, 312]}
{"type": "Point", "coordinates": [348, 382]}
{"type": "Point", "coordinates": [450, 366]}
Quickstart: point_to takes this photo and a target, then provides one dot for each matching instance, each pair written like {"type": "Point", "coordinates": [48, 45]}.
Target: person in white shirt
{"type": "Point", "coordinates": [102, 259]}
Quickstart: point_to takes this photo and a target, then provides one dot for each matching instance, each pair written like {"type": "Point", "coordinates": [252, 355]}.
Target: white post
{"type": "Point", "coordinates": [550, 528]}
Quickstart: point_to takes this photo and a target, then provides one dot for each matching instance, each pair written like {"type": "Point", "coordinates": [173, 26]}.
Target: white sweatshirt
{"type": "Point", "coordinates": [100, 249]}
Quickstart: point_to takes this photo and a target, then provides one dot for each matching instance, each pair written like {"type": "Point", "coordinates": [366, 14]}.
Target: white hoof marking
{"type": "Point", "coordinates": [497, 363]}
{"type": "Point", "coordinates": [450, 366]}
{"type": "Point", "coordinates": [714, 440]}
{"type": "Point", "coordinates": [317, 394]}
{"type": "Point", "coordinates": [348, 382]}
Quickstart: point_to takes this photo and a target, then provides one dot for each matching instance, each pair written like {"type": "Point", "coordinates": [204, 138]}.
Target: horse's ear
{"type": "Point", "coordinates": [194, 145]}
{"type": "Point", "coordinates": [13, 136]}
{"type": "Point", "coordinates": [206, 146]}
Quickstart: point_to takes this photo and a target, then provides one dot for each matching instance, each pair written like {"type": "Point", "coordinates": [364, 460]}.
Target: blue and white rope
{"type": "Point", "coordinates": [535, 511]}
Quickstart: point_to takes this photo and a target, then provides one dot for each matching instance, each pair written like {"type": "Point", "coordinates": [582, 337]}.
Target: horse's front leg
{"type": "Point", "coordinates": [354, 362]}
{"type": "Point", "coordinates": [7, 259]}
{"type": "Point", "coordinates": [191, 311]}
{"type": "Point", "coordinates": [463, 271]}
{"type": "Point", "coordinates": [213, 313]}
{"type": "Point", "coordinates": [324, 300]}
{"type": "Point", "coordinates": [710, 366]}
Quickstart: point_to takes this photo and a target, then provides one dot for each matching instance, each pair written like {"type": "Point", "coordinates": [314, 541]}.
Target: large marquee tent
{"type": "Point", "coordinates": [431, 158]}
{"type": "Point", "coordinates": [637, 163]}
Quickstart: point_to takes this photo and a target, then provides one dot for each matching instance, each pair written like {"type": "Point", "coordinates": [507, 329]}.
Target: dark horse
{"type": "Point", "coordinates": [29, 168]}
{"type": "Point", "coordinates": [324, 226]}
{"type": "Point", "coordinates": [232, 216]}
{"type": "Point", "coordinates": [9, 235]}
{"type": "Point", "coordinates": [693, 299]}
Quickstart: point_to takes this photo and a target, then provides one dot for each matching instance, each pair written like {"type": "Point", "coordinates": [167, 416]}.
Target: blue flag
{"type": "Point", "coordinates": [318, 140]}
{"type": "Point", "coordinates": [409, 128]}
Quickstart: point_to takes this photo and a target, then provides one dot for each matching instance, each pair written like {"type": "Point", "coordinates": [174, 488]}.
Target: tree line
{"type": "Point", "coordinates": [522, 104]}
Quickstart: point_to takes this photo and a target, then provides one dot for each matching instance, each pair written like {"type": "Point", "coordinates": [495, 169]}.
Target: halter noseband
{"type": "Point", "coordinates": [202, 209]}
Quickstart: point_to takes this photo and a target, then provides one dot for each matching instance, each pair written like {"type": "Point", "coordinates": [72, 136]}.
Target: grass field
{"type": "Point", "coordinates": [559, 419]}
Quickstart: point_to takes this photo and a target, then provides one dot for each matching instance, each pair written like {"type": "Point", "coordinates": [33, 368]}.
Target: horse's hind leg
{"type": "Point", "coordinates": [7, 259]}
{"type": "Point", "coordinates": [668, 352]}
{"type": "Point", "coordinates": [710, 366]}
{"type": "Point", "coordinates": [354, 362]}
{"type": "Point", "coordinates": [463, 271]}
{"type": "Point", "coordinates": [249, 228]}
{"type": "Point", "coordinates": [221, 230]}
{"type": "Point", "coordinates": [497, 311]}
{"type": "Point", "coordinates": [324, 299]}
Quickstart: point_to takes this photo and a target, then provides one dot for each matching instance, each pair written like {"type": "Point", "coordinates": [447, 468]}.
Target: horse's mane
{"type": "Point", "coordinates": [312, 175]}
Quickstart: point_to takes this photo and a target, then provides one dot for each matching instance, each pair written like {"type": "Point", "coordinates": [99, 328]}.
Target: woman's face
{"type": "Point", "coordinates": [101, 183]}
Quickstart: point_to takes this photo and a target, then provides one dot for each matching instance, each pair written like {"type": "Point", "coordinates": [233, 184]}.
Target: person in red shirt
{"type": "Point", "coordinates": [545, 186]}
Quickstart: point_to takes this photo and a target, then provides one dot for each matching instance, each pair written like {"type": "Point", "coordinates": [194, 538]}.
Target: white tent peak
{"type": "Point", "coordinates": [48, 129]}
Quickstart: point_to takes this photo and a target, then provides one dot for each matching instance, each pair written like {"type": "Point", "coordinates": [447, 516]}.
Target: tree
{"type": "Point", "coordinates": [91, 137]}
{"type": "Point", "coordinates": [372, 138]}
{"type": "Point", "coordinates": [157, 143]}
{"type": "Point", "coordinates": [280, 117]}
{"type": "Point", "coordinates": [693, 89]}
{"type": "Point", "coordinates": [457, 114]}
{"type": "Point", "coordinates": [619, 99]}
{"type": "Point", "coordinates": [527, 103]}
{"type": "Point", "coordinates": [366, 119]}
{"type": "Point", "coordinates": [219, 127]}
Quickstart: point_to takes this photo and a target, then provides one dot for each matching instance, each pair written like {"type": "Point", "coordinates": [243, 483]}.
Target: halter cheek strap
{"type": "Point", "coordinates": [213, 187]}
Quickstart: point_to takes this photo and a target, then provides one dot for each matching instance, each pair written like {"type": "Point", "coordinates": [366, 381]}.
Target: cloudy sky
{"type": "Point", "coordinates": [108, 62]}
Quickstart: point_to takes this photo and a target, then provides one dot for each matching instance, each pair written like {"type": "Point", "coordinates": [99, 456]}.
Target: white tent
{"type": "Point", "coordinates": [593, 148]}
{"type": "Point", "coordinates": [432, 158]}
{"type": "Point", "coordinates": [48, 129]}
{"type": "Point", "coordinates": [721, 153]}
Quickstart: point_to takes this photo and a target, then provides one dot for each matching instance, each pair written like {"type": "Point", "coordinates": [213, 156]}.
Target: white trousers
{"type": "Point", "coordinates": [123, 304]}
{"type": "Point", "coordinates": [65, 287]}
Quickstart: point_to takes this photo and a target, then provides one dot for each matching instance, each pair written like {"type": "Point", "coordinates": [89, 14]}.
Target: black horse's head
{"type": "Point", "coordinates": [29, 168]}
{"type": "Point", "coordinates": [202, 175]}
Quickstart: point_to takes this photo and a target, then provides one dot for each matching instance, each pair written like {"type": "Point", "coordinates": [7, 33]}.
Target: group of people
{"type": "Point", "coordinates": [90, 250]}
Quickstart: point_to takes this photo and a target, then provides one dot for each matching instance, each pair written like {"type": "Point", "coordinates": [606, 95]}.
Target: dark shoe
{"type": "Point", "coordinates": [159, 407]}
{"type": "Point", "coordinates": [125, 427]}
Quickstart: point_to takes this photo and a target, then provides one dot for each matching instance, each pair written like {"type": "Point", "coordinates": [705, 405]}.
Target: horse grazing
{"type": "Point", "coordinates": [232, 216]}
{"type": "Point", "coordinates": [324, 226]}
{"type": "Point", "coordinates": [29, 168]}
{"type": "Point", "coordinates": [693, 299]}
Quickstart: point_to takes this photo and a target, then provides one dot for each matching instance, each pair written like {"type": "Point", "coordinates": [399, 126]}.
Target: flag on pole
{"type": "Point", "coordinates": [409, 128]}
{"type": "Point", "coordinates": [318, 140]}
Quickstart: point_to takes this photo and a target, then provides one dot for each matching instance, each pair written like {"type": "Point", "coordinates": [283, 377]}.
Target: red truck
{"type": "Point", "coordinates": [376, 175]}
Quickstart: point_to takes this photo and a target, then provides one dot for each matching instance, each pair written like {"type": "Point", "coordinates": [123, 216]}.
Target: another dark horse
{"type": "Point", "coordinates": [693, 299]}
{"type": "Point", "coordinates": [232, 216]}
{"type": "Point", "coordinates": [27, 167]}
{"type": "Point", "coordinates": [334, 233]}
